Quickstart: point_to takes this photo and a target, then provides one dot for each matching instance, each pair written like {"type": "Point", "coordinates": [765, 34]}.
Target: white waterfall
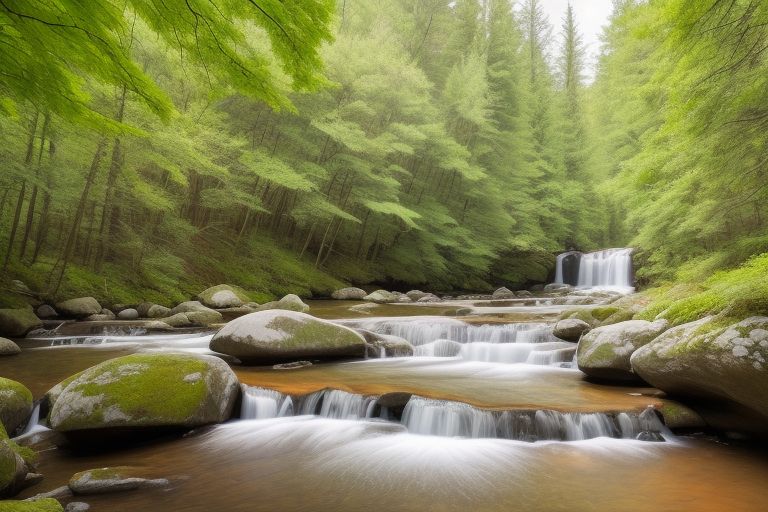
{"type": "Point", "coordinates": [261, 403]}
{"type": "Point", "coordinates": [609, 269]}
{"type": "Point", "coordinates": [337, 404]}
{"type": "Point", "coordinates": [531, 353]}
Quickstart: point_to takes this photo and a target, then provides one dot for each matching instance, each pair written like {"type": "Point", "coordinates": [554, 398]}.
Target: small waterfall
{"type": "Point", "coordinates": [337, 404]}
{"type": "Point", "coordinates": [438, 348]}
{"type": "Point", "coordinates": [531, 353]}
{"type": "Point", "coordinates": [261, 403]}
{"type": "Point", "coordinates": [607, 269]}
{"type": "Point", "coordinates": [610, 268]}
{"type": "Point", "coordinates": [423, 330]}
{"type": "Point", "coordinates": [446, 418]}
{"type": "Point", "coordinates": [33, 424]}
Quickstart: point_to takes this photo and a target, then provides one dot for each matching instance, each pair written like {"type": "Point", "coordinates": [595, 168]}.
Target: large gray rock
{"type": "Point", "coordinates": [79, 308]}
{"type": "Point", "coordinates": [177, 320]}
{"type": "Point", "coordinates": [18, 322]}
{"type": "Point", "coordinates": [415, 295]}
{"type": "Point", "coordinates": [701, 360]}
{"type": "Point", "coordinates": [157, 311]}
{"type": "Point", "coordinates": [570, 329]}
{"type": "Point", "coordinates": [386, 345]}
{"type": "Point", "coordinates": [223, 296]}
{"type": "Point", "coordinates": [15, 404]}
{"type": "Point", "coordinates": [197, 313]}
{"type": "Point", "coordinates": [605, 351]}
{"type": "Point", "coordinates": [105, 316]}
{"type": "Point", "coordinates": [430, 297]}
{"type": "Point", "coordinates": [143, 392]}
{"type": "Point", "coordinates": [8, 348]}
{"type": "Point", "coordinates": [350, 293]}
{"type": "Point", "coordinates": [274, 336]}
{"type": "Point", "coordinates": [381, 297]}
{"type": "Point", "coordinates": [107, 480]}
{"type": "Point", "coordinates": [503, 293]}
{"type": "Point", "coordinates": [290, 302]}
{"type": "Point", "coordinates": [45, 311]}
{"type": "Point", "coordinates": [128, 314]}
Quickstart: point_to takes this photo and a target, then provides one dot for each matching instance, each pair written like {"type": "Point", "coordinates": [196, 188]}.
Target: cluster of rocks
{"type": "Point", "coordinates": [212, 306]}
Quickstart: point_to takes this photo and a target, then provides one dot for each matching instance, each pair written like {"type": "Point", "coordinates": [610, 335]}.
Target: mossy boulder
{"type": "Point", "coordinates": [41, 505]}
{"type": "Point", "coordinates": [350, 293]}
{"type": "Point", "coordinates": [381, 297]}
{"type": "Point", "coordinates": [415, 295]}
{"type": "Point", "coordinates": [223, 296]}
{"type": "Point", "coordinates": [15, 464]}
{"type": "Point", "coordinates": [707, 360]}
{"type": "Point", "coordinates": [605, 352]}
{"type": "Point", "coordinates": [15, 323]}
{"type": "Point", "coordinates": [128, 314]}
{"type": "Point", "coordinates": [503, 293]}
{"type": "Point", "coordinates": [570, 329]}
{"type": "Point", "coordinates": [158, 311]}
{"type": "Point", "coordinates": [290, 302]}
{"type": "Point", "coordinates": [79, 308]}
{"type": "Point", "coordinates": [274, 336]}
{"type": "Point", "coordinates": [8, 348]}
{"type": "Point", "coordinates": [45, 311]}
{"type": "Point", "coordinates": [196, 314]}
{"type": "Point", "coordinates": [15, 404]}
{"type": "Point", "coordinates": [385, 345]}
{"type": "Point", "coordinates": [145, 391]}
{"type": "Point", "coordinates": [107, 480]}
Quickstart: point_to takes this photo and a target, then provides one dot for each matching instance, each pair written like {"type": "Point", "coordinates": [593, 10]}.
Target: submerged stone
{"type": "Point", "coordinates": [145, 391]}
{"type": "Point", "coordinates": [107, 480]}
{"type": "Point", "coordinates": [274, 336]}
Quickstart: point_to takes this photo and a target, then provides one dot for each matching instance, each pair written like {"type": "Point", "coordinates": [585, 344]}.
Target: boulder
{"type": "Point", "coordinates": [274, 336]}
{"type": "Point", "coordinates": [719, 364]}
{"type": "Point", "coordinates": [18, 322]}
{"type": "Point", "coordinates": [157, 311]}
{"type": "Point", "coordinates": [196, 313]}
{"type": "Point", "coordinates": [415, 295]}
{"type": "Point", "coordinates": [503, 293]}
{"type": "Point", "coordinates": [15, 404]}
{"type": "Point", "coordinates": [8, 348]}
{"type": "Point", "coordinates": [79, 308]}
{"type": "Point", "coordinates": [558, 288]}
{"type": "Point", "coordinates": [349, 294]}
{"type": "Point", "coordinates": [145, 392]}
{"type": "Point", "coordinates": [381, 297]}
{"type": "Point", "coordinates": [13, 470]}
{"type": "Point", "coordinates": [523, 294]}
{"type": "Point", "coordinates": [605, 352]}
{"type": "Point", "coordinates": [144, 308]}
{"type": "Point", "coordinates": [106, 480]}
{"type": "Point", "coordinates": [223, 296]}
{"type": "Point", "coordinates": [128, 314]}
{"type": "Point", "coordinates": [570, 329]}
{"type": "Point", "coordinates": [290, 302]}
{"type": "Point", "coordinates": [366, 309]}
{"type": "Point", "coordinates": [104, 316]}
{"type": "Point", "coordinates": [430, 297]}
{"type": "Point", "coordinates": [177, 320]}
{"type": "Point", "coordinates": [404, 299]}
{"type": "Point", "coordinates": [46, 311]}
{"type": "Point", "coordinates": [386, 345]}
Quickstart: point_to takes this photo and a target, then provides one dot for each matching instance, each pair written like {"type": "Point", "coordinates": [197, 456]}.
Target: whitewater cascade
{"type": "Point", "coordinates": [609, 269]}
{"type": "Point", "coordinates": [455, 419]}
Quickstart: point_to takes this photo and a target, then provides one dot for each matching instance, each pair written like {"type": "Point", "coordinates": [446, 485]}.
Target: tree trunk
{"type": "Point", "coordinates": [70, 241]}
{"type": "Point", "coordinates": [33, 198]}
{"type": "Point", "coordinates": [22, 190]}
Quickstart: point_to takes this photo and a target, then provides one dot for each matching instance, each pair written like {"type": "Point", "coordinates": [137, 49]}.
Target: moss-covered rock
{"type": "Point", "coordinates": [144, 391]}
{"type": "Point", "coordinates": [605, 351]}
{"type": "Point", "coordinates": [223, 296]}
{"type": "Point", "coordinates": [268, 337]}
{"type": "Point", "coordinates": [41, 505]}
{"type": "Point", "coordinates": [381, 297]}
{"type": "Point", "coordinates": [386, 345]}
{"type": "Point", "coordinates": [704, 359]}
{"type": "Point", "coordinates": [79, 308]}
{"type": "Point", "coordinates": [196, 314]}
{"type": "Point", "coordinates": [570, 329]}
{"type": "Point", "coordinates": [18, 322]}
{"type": "Point", "coordinates": [503, 293]}
{"type": "Point", "coordinates": [157, 311]}
{"type": "Point", "coordinates": [13, 469]}
{"type": "Point", "coordinates": [8, 348]}
{"type": "Point", "coordinates": [350, 293]}
{"type": "Point", "coordinates": [290, 302]}
{"type": "Point", "coordinates": [15, 404]}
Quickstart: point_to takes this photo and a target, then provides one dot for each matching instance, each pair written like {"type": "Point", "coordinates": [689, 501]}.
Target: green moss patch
{"type": "Point", "coordinates": [43, 505]}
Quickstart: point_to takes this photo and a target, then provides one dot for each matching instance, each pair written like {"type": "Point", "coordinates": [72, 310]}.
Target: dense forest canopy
{"type": "Point", "coordinates": [152, 147]}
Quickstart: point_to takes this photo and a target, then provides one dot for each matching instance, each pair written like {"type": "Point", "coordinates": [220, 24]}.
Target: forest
{"type": "Point", "coordinates": [155, 148]}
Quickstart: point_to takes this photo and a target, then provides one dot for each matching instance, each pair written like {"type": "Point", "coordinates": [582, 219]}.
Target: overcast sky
{"type": "Point", "coordinates": [591, 15]}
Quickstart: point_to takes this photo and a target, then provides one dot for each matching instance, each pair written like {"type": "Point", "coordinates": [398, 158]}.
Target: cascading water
{"type": "Point", "coordinates": [609, 269]}
{"type": "Point", "coordinates": [455, 419]}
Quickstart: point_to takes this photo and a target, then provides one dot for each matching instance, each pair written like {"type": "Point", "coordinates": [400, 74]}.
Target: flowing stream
{"type": "Point", "coordinates": [489, 414]}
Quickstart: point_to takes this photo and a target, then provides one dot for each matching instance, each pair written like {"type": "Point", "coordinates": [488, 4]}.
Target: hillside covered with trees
{"type": "Point", "coordinates": [153, 149]}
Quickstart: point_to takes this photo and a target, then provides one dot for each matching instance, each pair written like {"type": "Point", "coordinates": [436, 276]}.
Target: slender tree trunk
{"type": "Point", "coordinates": [70, 241]}
{"type": "Point", "coordinates": [115, 167]}
{"type": "Point", "coordinates": [22, 190]}
{"type": "Point", "coordinates": [33, 198]}
{"type": "Point", "coordinates": [322, 243]}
